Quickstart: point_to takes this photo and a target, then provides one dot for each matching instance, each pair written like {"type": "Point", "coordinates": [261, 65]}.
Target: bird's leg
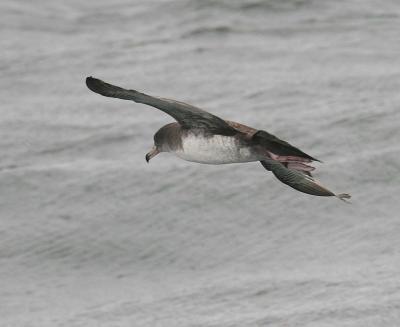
{"type": "Point", "coordinates": [287, 158]}
{"type": "Point", "coordinates": [292, 162]}
{"type": "Point", "coordinates": [299, 166]}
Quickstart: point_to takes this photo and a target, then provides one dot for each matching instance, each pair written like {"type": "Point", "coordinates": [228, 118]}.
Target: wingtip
{"type": "Point", "coordinates": [96, 85]}
{"type": "Point", "coordinates": [90, 80]}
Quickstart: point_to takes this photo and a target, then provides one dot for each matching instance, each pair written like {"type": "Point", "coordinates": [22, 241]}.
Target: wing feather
{"type": "Point", "coordinates": [278, 146]}
{"type": "Point", "coordinates": [298, 180]}
{"type": "Point", "coordinates": [186, 115]}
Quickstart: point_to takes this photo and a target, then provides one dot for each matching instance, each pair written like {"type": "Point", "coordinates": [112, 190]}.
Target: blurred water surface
{"type": "Point", "coordinates": [91, 235]}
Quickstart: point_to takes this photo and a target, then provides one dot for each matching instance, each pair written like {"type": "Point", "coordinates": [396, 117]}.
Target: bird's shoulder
{"type": "Point", "coordinates": [245, 130]}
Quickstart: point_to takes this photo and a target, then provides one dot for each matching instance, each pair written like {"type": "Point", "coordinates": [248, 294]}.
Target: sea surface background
{"type": "Point", "coordinates": [92, 235]}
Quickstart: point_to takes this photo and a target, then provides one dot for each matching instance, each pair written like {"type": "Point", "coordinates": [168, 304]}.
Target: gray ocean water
{"type": "Point", "coordinates": [92, 235]}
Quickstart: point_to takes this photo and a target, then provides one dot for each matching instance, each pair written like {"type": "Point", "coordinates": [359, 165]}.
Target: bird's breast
{"type": "Point", "coordinates": [216, 149]}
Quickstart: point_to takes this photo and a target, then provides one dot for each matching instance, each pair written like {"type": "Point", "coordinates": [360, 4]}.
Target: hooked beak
{"type": "Point", "coordinates": [153, 152]}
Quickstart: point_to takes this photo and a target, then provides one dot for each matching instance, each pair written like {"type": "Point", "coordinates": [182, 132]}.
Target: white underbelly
{"type": "Point", "coordinates": [214, 150]}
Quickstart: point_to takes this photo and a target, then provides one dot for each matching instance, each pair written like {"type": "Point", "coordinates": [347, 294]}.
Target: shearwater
{"type": "Point", "coordinates": [202, 137]}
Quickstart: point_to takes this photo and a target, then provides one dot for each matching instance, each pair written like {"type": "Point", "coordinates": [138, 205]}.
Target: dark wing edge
{"type": "Point", "coordinates": [299, 181]}
{"type": "Point", "coordinates": [186, 115]}
{"type": "Point", "coordinates": [278, 146]}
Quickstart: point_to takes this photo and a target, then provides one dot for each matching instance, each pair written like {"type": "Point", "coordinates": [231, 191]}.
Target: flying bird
{"type": "Point", "coordinates": [202, 137]}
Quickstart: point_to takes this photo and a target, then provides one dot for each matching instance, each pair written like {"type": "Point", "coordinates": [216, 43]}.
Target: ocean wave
{"type": "Point", "coordinates": [251, 5]}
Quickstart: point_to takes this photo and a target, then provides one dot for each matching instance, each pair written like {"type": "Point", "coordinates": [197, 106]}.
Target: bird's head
{"type": "Point", "coordinates": [166, 139]}
{"type": "Point", "coordinates": [158, 144]}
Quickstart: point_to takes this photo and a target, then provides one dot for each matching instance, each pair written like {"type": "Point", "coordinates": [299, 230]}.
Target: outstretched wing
{"type": "Point", "coordinates": [299, 181]}
{"type": "Point", "coordinates": [278, 146]}
{"type": "Point", "coordinates": [186, 115]}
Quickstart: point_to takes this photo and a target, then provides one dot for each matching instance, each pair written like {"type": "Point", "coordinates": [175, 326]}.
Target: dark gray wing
{"type": "Point", "coordinates": [278, 146]}
{"type": "Point", "coordinates": [299, 181]}
{"type": "Point", "coordinates": [186, 115]}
